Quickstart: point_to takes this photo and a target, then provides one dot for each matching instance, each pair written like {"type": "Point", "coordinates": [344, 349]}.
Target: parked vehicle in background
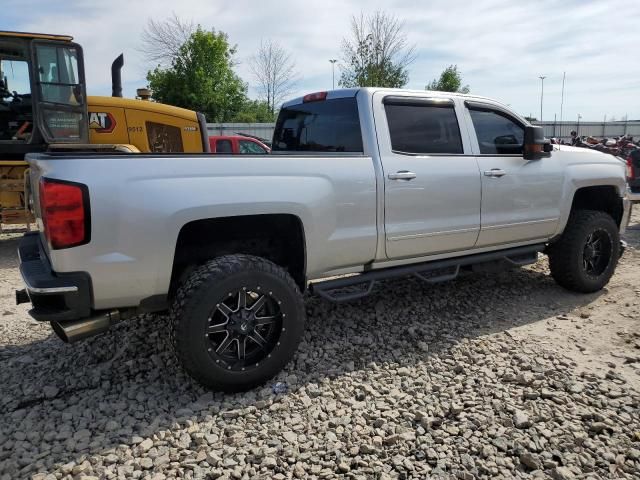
{"type": "Point", "coordinates": [260, 139]}
{"type": "Point", "coordinates": [633, 174]}
{"type": "Point", "coordinates": [237, 144]}
{"type": "Point", "coordinates": [617, 146]}
{"type": "Point", "coordinates": [375, 183]}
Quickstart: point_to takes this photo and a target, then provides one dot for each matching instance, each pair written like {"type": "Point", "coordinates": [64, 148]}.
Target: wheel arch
{"type": "Point", "coordinates": [604, 198]}
{"type": "Point", "coordinates": [593, 196]}
{"type": "Point", "coordinates": [276, 237]}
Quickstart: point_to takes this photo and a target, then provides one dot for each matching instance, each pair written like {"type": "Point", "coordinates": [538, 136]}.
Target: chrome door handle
{"type": "Point", "coordinates": [402, 175]}
{"type": "Point", "coordinates": [495, 173]}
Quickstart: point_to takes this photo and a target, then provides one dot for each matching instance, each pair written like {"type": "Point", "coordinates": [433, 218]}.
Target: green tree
{"type": "Point", "coordinates": [255, 111]}
{"type": "Point", "coordinates": [376, 54]}
{"type": "Point", "coordinates": [201, 78]}
{"type": "Point", "coordinates": [450, 81]}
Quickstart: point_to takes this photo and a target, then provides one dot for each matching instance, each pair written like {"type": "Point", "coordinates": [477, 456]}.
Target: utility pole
{"type": "Point", "coordinates": [541, 77]}
{"type": "Point", "coordinates": [564, 75]}
{"type": "Point", "coordinates": [333, 73]}
{"type": "Point", "coordinates": [578, 125]}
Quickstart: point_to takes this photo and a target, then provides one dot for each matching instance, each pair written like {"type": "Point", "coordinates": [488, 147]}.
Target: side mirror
{"type": "Point", "coordinates": [535, 145]}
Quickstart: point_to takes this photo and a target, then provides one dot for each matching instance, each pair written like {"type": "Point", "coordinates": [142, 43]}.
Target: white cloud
{"type": "Point", "coordinates": [501, 47]}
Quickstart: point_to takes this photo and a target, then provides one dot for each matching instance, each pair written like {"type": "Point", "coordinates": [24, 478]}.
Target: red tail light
{"type": "Point", "coordinates": [630, 172]}
{"type": "Point", "coordinates": [314, 97]}
{"type": "Point", "coordinates": [64, 207]}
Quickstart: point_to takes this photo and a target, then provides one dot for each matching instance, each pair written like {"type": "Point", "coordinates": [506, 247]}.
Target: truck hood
{"type": "Point", "coordinates": [588, 155]}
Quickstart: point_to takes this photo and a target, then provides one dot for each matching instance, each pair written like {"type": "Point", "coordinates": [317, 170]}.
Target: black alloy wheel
{"type": "Point", "coordinates": [244, 328]}
{"type": "Point", "coordinates": [597, 253]}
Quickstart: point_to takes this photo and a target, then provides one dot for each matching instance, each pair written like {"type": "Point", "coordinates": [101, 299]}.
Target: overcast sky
{"type": "Point", "coordinates": [501, 47]}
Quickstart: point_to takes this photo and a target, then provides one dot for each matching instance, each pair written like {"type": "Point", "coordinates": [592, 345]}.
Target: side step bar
{"type": "Point", "coordinates": [432, 272]}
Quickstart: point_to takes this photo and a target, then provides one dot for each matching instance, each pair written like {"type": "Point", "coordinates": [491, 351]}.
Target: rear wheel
{"type": "Point", "coordinates": [236, 321]}
{"type": "Point", "coordinates": [585, 257]}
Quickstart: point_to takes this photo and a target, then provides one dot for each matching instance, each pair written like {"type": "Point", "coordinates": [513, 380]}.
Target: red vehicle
{"type": "Point", "coordinates": [237, 144]}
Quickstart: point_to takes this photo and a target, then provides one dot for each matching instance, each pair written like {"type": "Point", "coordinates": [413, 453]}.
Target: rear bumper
{"type": "Point", "coordinates": [633, 193]}
{"type": "Point", "coordinates": [54, 297]}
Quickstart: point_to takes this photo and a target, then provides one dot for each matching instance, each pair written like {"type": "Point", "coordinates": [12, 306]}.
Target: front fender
{"type": "Point", "coordinates": [583, 175]}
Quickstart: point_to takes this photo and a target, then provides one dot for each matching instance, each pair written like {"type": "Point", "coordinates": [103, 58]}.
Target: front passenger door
{"type": "Point", "coordinates": [520, 198]}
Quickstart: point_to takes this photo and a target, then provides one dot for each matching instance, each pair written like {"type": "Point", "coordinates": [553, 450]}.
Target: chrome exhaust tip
{"type": "Point", "coordinates": [75, 330]}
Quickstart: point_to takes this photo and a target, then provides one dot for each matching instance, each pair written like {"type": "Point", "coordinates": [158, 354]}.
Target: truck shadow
{"type": "Point", "coordinates": [8, 259]}
{"type": "Point", "coordinates": [125, 383]}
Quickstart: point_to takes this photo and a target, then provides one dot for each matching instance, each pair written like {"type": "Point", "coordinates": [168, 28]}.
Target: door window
{"type": "Point", "coordinates": [423, 128]}
{"type": "Point", "coordinates": [497, 133]}
{"type": "Point", "coordinates": [247, 146]}
{"type": "Point", "coordinates": [58, 74]}
{"type": "Point", "coordinates": [223, 146]}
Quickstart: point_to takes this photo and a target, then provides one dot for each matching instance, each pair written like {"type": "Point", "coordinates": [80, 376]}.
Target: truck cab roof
{"type": "Point", "coordinates": [352, 92]}
{"type": "Point", "coordinates": [370, 91]}
{"type": "Point", "coordinates": [36, 36]}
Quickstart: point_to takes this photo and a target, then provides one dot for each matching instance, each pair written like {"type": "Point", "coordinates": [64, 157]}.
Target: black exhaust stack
{"type": "Point", "coordinates": [116, 77]}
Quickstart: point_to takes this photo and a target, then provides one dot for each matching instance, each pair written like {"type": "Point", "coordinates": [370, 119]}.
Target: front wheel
{"type": "Point", "coordinates": [585, 257]}
{"type": "Point", "coordinates": [236, 321]}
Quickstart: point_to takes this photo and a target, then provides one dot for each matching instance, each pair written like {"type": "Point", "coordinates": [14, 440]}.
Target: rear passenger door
{"type": "Point", "coordinates": [432, 190]}
{"type": "Point", "coordinates": [520, 198]}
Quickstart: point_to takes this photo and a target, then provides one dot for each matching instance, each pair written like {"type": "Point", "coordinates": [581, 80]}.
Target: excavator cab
{"type": "Point", "coordinates": [42, 102]}
{"type": "Point", "coordinates": [42, 93]}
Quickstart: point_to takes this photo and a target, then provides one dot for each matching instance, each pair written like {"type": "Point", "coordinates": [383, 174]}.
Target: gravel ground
{"type": "Point", "coordinates": [490, 376]}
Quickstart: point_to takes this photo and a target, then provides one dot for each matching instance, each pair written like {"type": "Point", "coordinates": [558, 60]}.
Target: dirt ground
{"type": "Point", "coordinates": [601, 332]}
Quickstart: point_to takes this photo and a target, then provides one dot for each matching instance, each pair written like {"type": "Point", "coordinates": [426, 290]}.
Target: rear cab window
{"type": "Point", "coordinates": [331, 125]}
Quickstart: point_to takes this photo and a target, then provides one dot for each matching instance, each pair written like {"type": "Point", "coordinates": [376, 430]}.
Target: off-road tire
{"type": "Point", "coordinates": [566, 254]}
{"type": "Point", "coordinates": [197, 297]}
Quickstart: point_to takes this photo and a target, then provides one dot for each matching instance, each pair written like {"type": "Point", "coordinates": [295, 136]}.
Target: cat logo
{"type": "Point", "coordinates": [101, 122]}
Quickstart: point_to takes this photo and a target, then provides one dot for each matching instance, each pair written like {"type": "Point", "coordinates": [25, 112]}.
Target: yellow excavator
{"type": "Point", "coordinates": [44, 107]}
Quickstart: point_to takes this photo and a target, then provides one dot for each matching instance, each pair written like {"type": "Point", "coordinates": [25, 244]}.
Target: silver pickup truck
{"type": "Point", "coordinates": [362, 185]}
